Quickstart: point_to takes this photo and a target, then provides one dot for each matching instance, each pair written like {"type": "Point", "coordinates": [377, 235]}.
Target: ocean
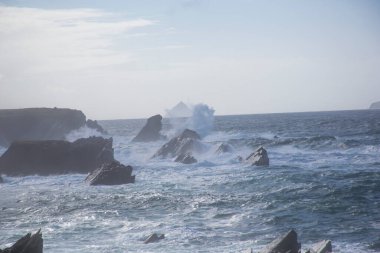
{"type": "Point", "coordinates": [323, 181]}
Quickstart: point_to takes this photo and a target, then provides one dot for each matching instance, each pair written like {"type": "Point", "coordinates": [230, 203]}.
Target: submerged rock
{"type": "Point", "coordinates": [187, 142]}
{"type": "Point", "coordinates": [154, 238]}
{"type": "Point", "coordinates": [27, 244]}
{"type": "Point", "coordinates": [185, 159]}
{"type": "Point", "coordinates": [321, 247]}
{"type": "Point", "coordinates": [151, 130]}
{"type": "Point", "coordinates": [56, 157]}
{"type": "Point", "coordinates": [223, 148]}
{"type": "Point", "coordinates": [284, 244]}
{"type": "Point", "coordinates": [94, 125]}
{"type": "Point", "coordinates": [258, 158]}
{"type": "Point", "coordinates": [112, 173]}
{"type": "Point", "coordinates": [38, 124]}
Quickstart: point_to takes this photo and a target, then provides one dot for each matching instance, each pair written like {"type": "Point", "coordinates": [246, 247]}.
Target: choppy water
{"type": "Point", "coordinates": [324, 181]}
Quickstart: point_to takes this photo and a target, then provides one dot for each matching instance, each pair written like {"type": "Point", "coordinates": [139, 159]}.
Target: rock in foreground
{"type": "Point", "coordinates": [56, 157]}
{"type": "Point", "coordinates": [27, 244]}
{"type": "Point", "coordinates": [154, 238]}
{"type": "Point", "coordinates": [187, 142]}
{"type": "Point", "coordinates": [324, 246]}
{"type": "Point", "coordinates": [258, 158]}
{"type": "Point", "coordinates": [284, 244]}
{"type": "Point", "coordinates": [185, 159]}
{"type": "Point", "coordinates": [113, 173]}
{"type": "Point", "coordinates": [151, 130]}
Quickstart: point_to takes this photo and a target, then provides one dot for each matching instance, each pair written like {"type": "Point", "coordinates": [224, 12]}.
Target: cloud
{"type": "Point", "coordinates": [48, 40]}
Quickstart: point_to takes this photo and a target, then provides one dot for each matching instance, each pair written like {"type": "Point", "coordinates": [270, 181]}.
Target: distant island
{"type": "Point", "coordinates": [375, 105]}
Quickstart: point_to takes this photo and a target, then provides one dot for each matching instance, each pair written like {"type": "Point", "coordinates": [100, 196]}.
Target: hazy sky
{"type": "Point", "coordinates": [128, 59]}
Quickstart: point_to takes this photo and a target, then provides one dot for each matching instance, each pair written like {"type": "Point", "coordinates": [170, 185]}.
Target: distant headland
{"type": "Point", "coordinates": [375, 105]}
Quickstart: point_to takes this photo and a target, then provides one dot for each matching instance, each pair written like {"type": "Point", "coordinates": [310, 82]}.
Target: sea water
{"type": "Point", "coordinates": [323, 181]}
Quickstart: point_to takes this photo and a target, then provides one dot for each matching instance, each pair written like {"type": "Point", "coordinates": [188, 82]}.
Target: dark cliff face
{"type": "Point", "coordinates": [38, 124]}
{"type": "Point", "coordinates": [56, 157]}
{"type": "Point", "coordinates": [375, 105]}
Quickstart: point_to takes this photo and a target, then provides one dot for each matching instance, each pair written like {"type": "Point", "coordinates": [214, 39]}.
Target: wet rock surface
{"type": "Point", "coordinates": [258, 158]}
{"type": "Point", "coordinates": [27, 244]}
{"type": "Point", "coordinates": [113, 173]}
{"type": "Point", "coordinates": [151, 130]}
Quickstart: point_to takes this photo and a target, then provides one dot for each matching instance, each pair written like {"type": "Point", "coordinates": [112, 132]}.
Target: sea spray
{"type": "Point", "coordinates": [202, 119]}
{"type": "Point", "coordinates": [83, 132]}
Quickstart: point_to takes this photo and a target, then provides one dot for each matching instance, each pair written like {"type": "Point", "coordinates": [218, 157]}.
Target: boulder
{"type": "Point", "coordinates": [321, 247]}
{"type": "Point", "coordinates": [56, 157]}
{"type": "Point", "coordinates": [151, 130]}
{"type": "Point", "coordinates": [223, 148]}
{"type": "Point", "coordinates": [186, 142]}
{"type": "Point", "coordinates": [185, 159]}
{"type": "Point", "coordinates": [27, 244]}
{"type": "Point", "coordinates": [112, 173]}
{"type": "Point", "coordinates": [154, 238]}
{"type": "Point", "coordinates": [38, 124]}
{"type": "Point", "coordinates": [94, 125]}
{"type": "Point", "coordinates": [284, 244]}
{"type": "Point", "coordinates": [258, 158]}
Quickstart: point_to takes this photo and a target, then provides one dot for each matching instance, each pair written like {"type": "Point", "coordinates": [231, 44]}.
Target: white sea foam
{"type": "Point", "coordinates": [83, 132]}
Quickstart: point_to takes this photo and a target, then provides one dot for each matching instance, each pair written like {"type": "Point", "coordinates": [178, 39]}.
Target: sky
{"type": "Point", "coordinates": [120, 59]}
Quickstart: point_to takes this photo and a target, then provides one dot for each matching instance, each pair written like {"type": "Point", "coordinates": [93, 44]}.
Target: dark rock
{"type": "Point", "coordinates": [112, 173]}
{"type": "Point", "coordinates": [151, 130]}
{"type": "Point", "coordinates": [27, 244]}
{"type": "Point", "coordinates": [186, 142]}
{"type": "Point", "coordinates": [56, 157]}
{"type": "Point", "coordinates": [258, 158]}
{"type": "Point", "coordinates": [154, 238]}
{"type": "Point", "coordinates": [224, 148]}
{"type": "Point", "coordinates": [38, 124]}
{"type": "Point", "coordinates": [186, 159]}
{"type": "Point", "coordinates": [284, 244]}
{"type": "Point", "coordinates": [321, 247]}
{"type": "Point", "coordinates": [1, 180]}
{"type": "Point", "coordinates": [94, 125]}
{"type": "Point", "coordinates": [375, 105]}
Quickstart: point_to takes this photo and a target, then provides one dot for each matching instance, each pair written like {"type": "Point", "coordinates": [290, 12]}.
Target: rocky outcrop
{"type": "Point", "coordinates": [187, 142]}
{"type": "Point", "coordinates": [324, 246]}
{"type": "Point", "coordinates": [154, 238]}
{"type": "Point", "coordinates": [223, 148]}
{"type": "Point", "coordinates": [258, 158]}
{"type": "Point", "coordinates": [94, 125]}
{"type": "Point", "coordinates": [27, 244]}
{"type": "Point", "coordinates": [56, 157]}
{"type": "Point", "coordinates": [185, 159]}
{"type": "Point", "coordinates": [375, 105]}
{"type": "Point", "coordinates": [284, 244]}
{"type": "Point", "coordinates": [38, 124]}
{"type": "Point", "coordinates": [151, 130]}
{"type": "Point", "coordinates": [112, 173]}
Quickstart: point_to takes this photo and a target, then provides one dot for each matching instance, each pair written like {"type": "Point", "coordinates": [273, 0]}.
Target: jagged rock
{"type": "Point", "coordinates": [38, 124]}
{"type": "Point", "coordinates": [151, 130]}
{"type": "Point", "coordinates": [284, 244]}
{"type": "Point", "coordinates": [186, 142]}
{"type": "Point", "coordinates": [56, 157]}
{"type": "Point", "coordinates": [321, 247]}
{"type": "Point", "coordinates": [258, 158]}
{"type": "Point", "coordinates": [223, 148]}
{"type": "Point", "coordinates": [27, 244]}
{"type": "Point", "coordinates": [186, 159]}
{"type": "Point", "coordinates": [94, 125]}
{"type": "Point", "coordinates": [112, 173]}
{"type": "Point", "coordinates": [154, 238]}
{"type": "Point", "coordinates": [375, 105]}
